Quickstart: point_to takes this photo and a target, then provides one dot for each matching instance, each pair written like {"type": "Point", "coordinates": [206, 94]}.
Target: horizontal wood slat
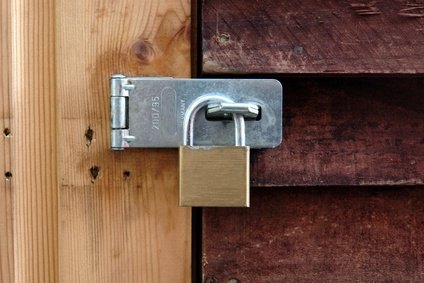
{"type": "Point", "coordinates": [347, 132]}
{"type": "Point", "coordinates": [348, 36]}
{"type": "Point", "coordinates": [318, 235]}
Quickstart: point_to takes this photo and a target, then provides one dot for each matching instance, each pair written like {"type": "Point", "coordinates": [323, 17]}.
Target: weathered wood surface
{"type": "Point", "coordinates": [347, 131]}
{"type": "Point", "coordinates": [279, 36]}
{"type": "Point", "coordinates": [318, 235]}
{"type": "Point", "coordinates": [119, 216]}
{"type": "Point", "coordinates": [28, 191]}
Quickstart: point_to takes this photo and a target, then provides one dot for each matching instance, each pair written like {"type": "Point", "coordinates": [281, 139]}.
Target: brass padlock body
{"type": "Point", "coordinates": [216, 176]}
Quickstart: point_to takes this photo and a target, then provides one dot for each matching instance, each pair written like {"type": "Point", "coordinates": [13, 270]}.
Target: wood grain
{"type": "Point", "coordinates": [119, 214]}
{"type": "Point", "coordinates": [28, 205]}
{"type": "Point", "coordinates": [318, 235]}
{"type": "Point", "coordinates": [6, 226]}
{"type": "Point", "coordinates": [347, 131]}
{"type": "Point", "coordinates": [335, 36]}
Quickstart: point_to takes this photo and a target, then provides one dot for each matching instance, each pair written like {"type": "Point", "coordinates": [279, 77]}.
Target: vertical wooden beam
{"type": "Point", "coordinates": [118, 213]}
{"type": "Point", "coordinates": [29, 83]}
{"type": "Point", "coordinates": [6, 227]}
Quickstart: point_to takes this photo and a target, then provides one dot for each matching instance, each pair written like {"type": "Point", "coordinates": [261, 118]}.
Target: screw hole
{"type": "Point", "coordinates": [223, 38]}
{"type": "Point", "coordinates": [89, 136]}
{"type": "Point", "coordinates": [94, 171]}
{"type": "Point", "coordinates": [7, 132]}
{"type": "Point", "coordinates": [8, 175]}
{"type": "Point", "coordinates": [127, 173]}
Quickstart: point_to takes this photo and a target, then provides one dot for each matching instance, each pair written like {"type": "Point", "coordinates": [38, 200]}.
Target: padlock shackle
{"type": "Point", "coordinates": [195, 106]}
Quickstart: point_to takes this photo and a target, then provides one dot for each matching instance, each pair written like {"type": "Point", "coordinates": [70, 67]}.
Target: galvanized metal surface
{"type": "Point", "coordinates": [224, 110]}
{"type": "Point", "coordinates": [157, 106]}
{"type": "Point", "coordinates": [196, 106]}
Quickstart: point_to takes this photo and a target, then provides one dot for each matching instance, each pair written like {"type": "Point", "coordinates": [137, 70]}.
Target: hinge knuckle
{"type": "Point", "coordinates": [120, 139]}
{"type": "Point", "coordinates": [119, 106]}
{"type": "Point", "coordinates": [119, 95]}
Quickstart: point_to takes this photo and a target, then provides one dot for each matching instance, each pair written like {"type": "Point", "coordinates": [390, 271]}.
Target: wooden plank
{"type": "Point", "coordinates": [34, 147]}
{"type": "Point", "coordinates": [347, 131]}
{"type": "Point", "coordinates": [6, 227]}
{"type": "Point", "coordinates": [28, 192]}
{"type": "Point", "coordinates": [318, 235]}
{"type": "Point", "coordinates": [334, 36]}
{"type": "Point", "coordinates": [119, 214]}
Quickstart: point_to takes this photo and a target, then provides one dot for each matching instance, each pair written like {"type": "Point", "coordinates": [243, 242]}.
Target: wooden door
{"type": "Point", "coordinates": [341, 200]}
{"type": "Point", "coordinates": [71, 210]}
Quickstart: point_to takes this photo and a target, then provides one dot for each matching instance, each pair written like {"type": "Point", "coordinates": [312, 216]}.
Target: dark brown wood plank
{"type": "Point", "coordinates": [318, 235]}
{"type": "Point", "coordinates": [332, 36]}
{"type": "Point", "coordinates": [347, 131]}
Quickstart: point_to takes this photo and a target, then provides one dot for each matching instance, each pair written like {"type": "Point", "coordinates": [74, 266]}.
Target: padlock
{"type": "Point", "coordinates": [214, 176]}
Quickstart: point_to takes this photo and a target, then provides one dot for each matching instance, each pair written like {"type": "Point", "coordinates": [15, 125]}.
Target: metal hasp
{"type": "Point", "coordinates": [148, 112]}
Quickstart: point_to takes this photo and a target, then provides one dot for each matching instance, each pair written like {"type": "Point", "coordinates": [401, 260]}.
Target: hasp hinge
{"type": "Point", "coordinates": [119, 98]}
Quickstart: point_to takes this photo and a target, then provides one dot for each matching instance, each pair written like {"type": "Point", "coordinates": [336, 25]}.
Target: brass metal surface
{"type": "Point", "coordinates": [214, 176]}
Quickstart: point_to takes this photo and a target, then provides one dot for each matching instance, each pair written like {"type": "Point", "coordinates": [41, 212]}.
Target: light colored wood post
{"type": "Point", "coordinates": [28, 194]}
{"type": "Point", "coordinates": [118, 212]}
{"type": "Point", "coordinates": [6, 174]}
